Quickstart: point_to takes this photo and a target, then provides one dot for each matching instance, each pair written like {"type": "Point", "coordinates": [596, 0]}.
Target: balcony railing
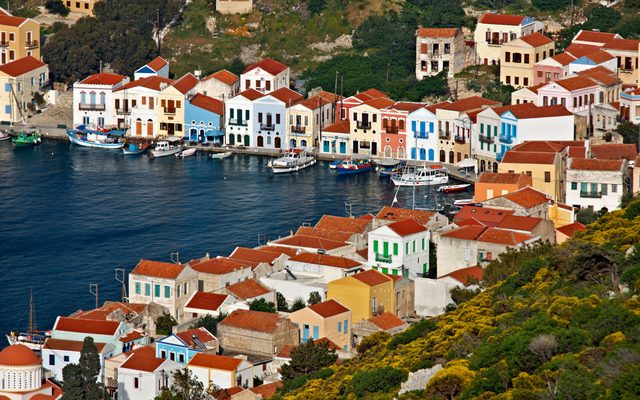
{"type": "Point", "coordinates": [460, 139]}
{"type": "Point", "coordinates": [363, 125]}
{"type": "Point", "coordinates": [421, 135]}
{"type": "Point", "coordinates": [267, 127]}
{"type": "Point", "coordinates": [444, 134]}
{"type": "Point", "coordinates": [237, 122]}
{"type": "Point", "coordinates": [485, 139]}
{"type": "Point", "coordinates": [383, 258]}
{"type": "Point", "coordinates": [391, 129]}
{"type": "Point", "coordinates": [32, 44]}
{"type": "Point", "coordinates": [495, 42]}
{"type": "Point", "coordinates": [505, 139]}
{"type": "Point", "coordinates": [92, 107]}
{"type": "Point", "coordinates": [591, 195]}
{"type": "Point", "coordinates": [123, 111]}
{"type": "Point", "coordinates": [298, 129]}
{"type": "Point", "coordinates": [170, 111]}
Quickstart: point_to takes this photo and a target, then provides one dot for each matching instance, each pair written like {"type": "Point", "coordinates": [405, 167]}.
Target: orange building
{"type": "Point", "coordinates": [494, 184]}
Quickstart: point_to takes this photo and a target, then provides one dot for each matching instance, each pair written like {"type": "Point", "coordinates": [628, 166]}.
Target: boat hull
{"type": "Point", "coordinates": [80, 142]}
{"type": "Point", "coordinates": [165, 153]}
{"type": "Point", "coordinates": [453, 189]}
{"type": "Point", "coordinates": [220, 156]}
{"type": "Point", "coordinates": [288, 169]}
{"type": "Point", "coordinates": [134, 150]}
{"type": "Point", "coordinates": [186, 153]}
{"type": "Point", "coordinates": [419, 182]}
{"type": "Point", "coordinates": [353, 171]}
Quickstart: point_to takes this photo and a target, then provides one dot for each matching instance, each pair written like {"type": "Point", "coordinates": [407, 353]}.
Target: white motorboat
{"type": "Point", "coordinates": [166, 147]}
{"type": "Point", "coordinates": [99, 138]}
{"type": "Point", "coordinates": [421, 176]}
{"type": "Point", "coordinates": [220, 156]}
{"type": "Point", "coordinates": [294, 160]}
{"type": "Point", "coordinates": [4, 136]}
{"type": "Point", "coordinates": [462, 202]}
{"type": "Point", "coordinates": [186, 152]}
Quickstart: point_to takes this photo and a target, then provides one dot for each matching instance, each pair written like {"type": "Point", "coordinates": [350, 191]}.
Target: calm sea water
{"type": "Point", "coordinates": [71, 216]}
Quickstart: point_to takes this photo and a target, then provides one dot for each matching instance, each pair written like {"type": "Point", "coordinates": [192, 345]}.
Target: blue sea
{"type": "Point", "coordinates": [71, 216]}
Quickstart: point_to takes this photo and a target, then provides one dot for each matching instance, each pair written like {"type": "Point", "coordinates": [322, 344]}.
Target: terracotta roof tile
{"type": "Point", "coordinates": [372, 277]}
{"type": "Point", "coordinates": [501, 19]}
{"type": "Point", "coordinates": [379, 103]}
{"type": "Point", "coordinates": [224, 76]}
{"type": "Point", "coordinates": [399, 214]}
{"type": "Point", "coordinates": [267, 390]}
{"type": "Point", "coordinates": [330, 345]}
{"type": "Point", "coordinates": [541, 112]}
{"type": "Point", "coordinates": [595, 36]}
{"type": "Point", "coordinates": [131, 336]}
{"type": "Point", "coordinates": [287, 96]}
{"type": "Point", "coordinates": [10, 20]}
{"type": "Point", "coordinates": [470, 104]}
{"type": "Point", "coordinates": [150, 82]}
{"type": "Point", "coordinates": [406, 227]}
{"type": "Point", "coordinates": [527, 197]}
{"type": "Point", "coordinates": [467, 275]}
{"type": "Point", "coordinates": [503, 178]}
{"type": "Point", "coordinates": [577, 152]}
{"type": "Point", "coordinates": [575, 83]}
{"type": "Point", "coordinates": [597, 74]}
{"type": "Point", "coordinates": [21, 66]}
{"type": "Point", "coordinates": [614, 151]}
{"type": "Point", "coordinates": [407, 106]}
{"type": "Point", "coordinates": [286, 351]}
{"type": "Point", "coordinates": [329, 308]}
{"type": "Point", "coordinates": [373, 93]}
{"type": "Point", "coordinates": [338, 236]}
{"type": "Point", "coordinates": [622, 44]}
{"type": "Point", "coordinates": [386, 321]}
{"type": "Point", "coordinates": [527, 157]}
{"type": "Point", "coordinates": [278, 250]}
{"type": "Point", "coordinates": [69, 345]}
{"type": "Point", "coordinates": [437, 32]}
{"type": "Point", "coordinates": [208, 103]}
{"type": "Point", "coordinates": [103, 79]}
{"type": "Point", "coordinates": [251, 94]}
{"type": "Point", "coordinates": [563, 58]}
{"type": "Point", "coordinates": [487, 215]}
{"type": "Point", "coordinates": [466, 232]}
{"type": "Point", "coordinates": [536, 39]}
{"type": "Point", "coordinates": [255, 255]}
{"type": "Point", "coordinates": [248, 289]}
{"type": "Point", "coordinates": [503, 236]}
{"type": "Point", "coordinates": [520, 223]}
{"type": "Point", "coordinates": [579, 50]}
{"type": "Point", "coordinates": [253, 320]}
{"type": "Point", "coordinates": [547, 146]}
{"type": "Point", "coordinates": [213, 361]}
{"type": "Point", "coordinates": [185, 83]}
{"type": "Point", "coordinates": [206, 301]}
{"type": "Point", "coordinates": [157, 63]}
{"type": "Point", "coordinates": [325, 259]}
{"type": "Point", "coordinates": [589, 164]}
{"type": "Point", "coordinates": [158, 269]}
{"type": "Point", "coordinates": [268, 64]}
{"type": "Point", "coordinates": [18, 355]}
{"type": "Point", "coordinates": [600, 56]}
{"type": "Point", "coordinates": [217, 266]}
{"type": "Point", "coordinates": [433, 107]}
{"type": "Point", "coordinates": [344, 224]}
{"type": "Point", "coordinates": [190, 336]}
{"type": "Point", "coordinates": [90, 326]}
{"type": "Point", "coordinates": [141, 362]}
{"type": "Point", "coordinates": [571, 229]}
{"type": "Point", "coordinates": [338, 127]}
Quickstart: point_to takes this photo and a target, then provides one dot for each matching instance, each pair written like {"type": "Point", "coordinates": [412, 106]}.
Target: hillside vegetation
{"type": "Point", "coordinates": [553, 323]}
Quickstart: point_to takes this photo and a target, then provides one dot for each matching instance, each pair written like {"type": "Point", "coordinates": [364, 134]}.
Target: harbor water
{"type": "Point", "coordinates": [71, 216]}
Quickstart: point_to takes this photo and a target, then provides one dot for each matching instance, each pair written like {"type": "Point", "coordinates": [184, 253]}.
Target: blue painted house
{"type": "Point", "coordinates": [203, 116]}
{"type": "Point", "coordinates": [182, 346]}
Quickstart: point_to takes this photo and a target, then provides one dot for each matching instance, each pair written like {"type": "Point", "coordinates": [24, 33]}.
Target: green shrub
{"type": "Point", "coordinates": [378, 380]}
{"type": "Point", "coordinates": [419, 329]}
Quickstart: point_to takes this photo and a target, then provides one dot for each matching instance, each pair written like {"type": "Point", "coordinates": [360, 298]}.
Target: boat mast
{"type": "Point", "coordinates": [31, 313]}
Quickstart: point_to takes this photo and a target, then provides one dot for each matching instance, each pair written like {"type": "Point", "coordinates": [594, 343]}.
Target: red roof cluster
{"type": "Point", "coordinates": [157, 63]}
{"type": "Point", "coordinates": [576, 83]}
{"type": "Point", "coordinates": [400, 214]}
{"type": "Point", "coordinates": [150, 82]}
{"type": "Point", "coordinates": [614, 151]}
{"type": "Point", "coordinates": [571, 229]}
{"type": "Point", "coordinates": [536, 39]}
{"type": "Point", "coordinates": [595, 36]}
{"type": "Point", "coordinates": [185, 83]}
{"type": "Point", "coordinates": [527, 197]}
{"type": "Point", "coordinates": [503, 178]}
{"type": "Point", "coordinates": [208, 103]}
{"type": "Point", "coordinates": [470, 104]}
{"type": "Point", "coordinates": [18, 354]}
{"type": "Point", "coordinates": [339, 236]}
{"type": "Point", "coordinates": [145, 361]}
{"type": "Point", "coordinates": [213, 361]}
{"type": "Point", "coordinates": [287, 96]}
{"type": "Point", "coordinates": [338, 127]}
{"type": "Point", "coordinates": [224, 76]}
{"type": "Point", "coordinates": [486, 215]}
{"type": "Point", "coordinates": [386, 321]}
{"type": "Point", "coordinates": [590, 164]}
{"type": "Point", "coordinates": [217, 266]}
{"type": "Point", "coordinates": [254, 255]}
{"type": "Point", "coordinates": [467, 275]}
{"type": "Point", "coordinates": [488, 234]}
{"type": "Point", "coordinates": [528, 157]}
{"type": "Point", "coordinates": [325, 259]}
{"type": "Point", "coordinates": [158, 269]}
{"type": "Point", "coordinates": [248, 289]}
{"type": "Point", "coordinates": [91, 326]}
{"type": "Point", "coordinates": [253, 320]}
{"type": "Point", "coordinates": [344, 224]}
{"type": "Point", "coordinates": [21, 66]}
{"type": "Point", "coordinates": [103, 78]}
{"type": "Point", "coordinates": [191, 337]}
{"type": "Point", "coordinates": [309, 242]}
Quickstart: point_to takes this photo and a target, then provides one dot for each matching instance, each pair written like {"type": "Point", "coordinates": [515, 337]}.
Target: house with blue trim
{"type": "Point", "coordinates": [203, 116]}
{"type": "Point", "coordinates": [630, 106]}
{"type": "Point", "coordinates": [183, 346]}
{"type": "Point", "coordinates": [156, 67]}
{"type": "Point", "coordinates": [422, 141]}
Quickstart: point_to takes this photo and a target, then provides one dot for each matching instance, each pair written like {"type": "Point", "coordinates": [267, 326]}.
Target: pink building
{"type": "Point", "coordinates": [577, 94]}
{"type": "Point", "coordinates": [552, 68]}
{"type": "Point", "coordinates": [394, 128]}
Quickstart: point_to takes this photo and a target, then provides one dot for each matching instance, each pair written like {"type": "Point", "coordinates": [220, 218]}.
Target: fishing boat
{"type": "Point", "coordinates": [4, 136]}
{"type": "Point", "coordinates": [186, 152]}
{"type": "Point", "coordinates": [220, 156]}
{"type": "Point", "coordinates": [453, 188]}
{"type": "Point", "coordinates": [33, 339]}
{"type": "Point", "coordinates": [293, 160]}
{"type": "Point", "coordinates": [421, 176]}
{"type": "Point", "coordinates": [25, 139]}
{"type": "Point", "coordinates": [350, 167]}
{"type": "Point", "coordinates": [86, 136]}
{"type": "Point", "coordinates": [134, 149]}
{"type": "Point", "coordinates": [167, 147]}
{"type": "Point", "coordinates": [387, 168]}
{"type": "Point", "coordinates": [334, 164]}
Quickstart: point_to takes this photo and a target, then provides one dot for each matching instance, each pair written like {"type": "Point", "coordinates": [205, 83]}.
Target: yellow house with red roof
{"type": "Point", "coordinates": [365, 294]}
{"type": "Point", "coordinates": [327, 320]}
{"type": "Point", "coordinates": [173, 99]}
{"type": "Point", "coordinates": [19, 37]}
{"type": "Point", "coordinates": [81, 6]}
{"type": "Point", "coordinates": [519, 56]}
{"type": "Point", "coordinates": [306, 119]}
{"type": "Point", "coordinates": [20, 80]}
{"type": "Point", "coordinates": [366, 126]}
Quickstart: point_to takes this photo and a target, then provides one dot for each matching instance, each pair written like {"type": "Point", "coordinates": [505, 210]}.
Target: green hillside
{"type": "Point", "coordinates": [554, 323]}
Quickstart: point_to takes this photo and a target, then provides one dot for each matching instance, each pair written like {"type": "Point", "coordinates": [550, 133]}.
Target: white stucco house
{"type": "Point", "coordinates": [493, 30]}
{"type": "Point", "coordinates": [142, 376]}
{"type": "Point", "coordinates": [221, 85]}
{"type": "Point", "coordinates": [239, 118]}
{"type": "Point", "coordinates": [156, 67]}
{"type": "Point", "coordinates": [221, 371]}
{"type": "Point", "coordinates": [93, 102]}
{"type": "Point", "coordinates": [265, 76]}
{"type": "Point", "coordinates": [400, 248]}
{"type": "Point", "coordinates": [596, 184]}
{"type": "Point", "coordinates": [270, 122]}
{"type": "Point", "coordinates": [422, 135]}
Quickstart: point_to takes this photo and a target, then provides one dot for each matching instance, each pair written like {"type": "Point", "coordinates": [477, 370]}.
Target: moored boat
{"type": "Point", "coordinates": [462, 202]}
{"type": "Point", "coordinates": [25, 139]}
{"type": "Point", "coordinates": [387, 168]}
{"type": "Point", "coordinates": [453, 188]}
{"type": "Point", "coordinates": [334, 164]}
{"type": "Point", "coordinates": [220, 156]}
{"type": "Point", "coordinates": [99, 138]}
{"type": "Point", "coordinates": [134, 149]}
{"type": "Point", "coordinates": [421, 176]}
{"type": "Point", "coordinates": [4, 136]}
{"type": "Point", "coordinates": [350, 167]}
{"type": "Point", "coordinates": [294, 160]}
{"type": "Point", "coordinates": [32, 339]}
{"type": "Point", "coordinates": [186, 152]}
{"type": "Point", "coordinates": [167, 147]}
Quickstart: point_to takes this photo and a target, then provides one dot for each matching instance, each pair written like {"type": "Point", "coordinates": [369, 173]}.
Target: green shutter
{"type": "Point", "coordinates": [414, 246]}
{"type": "Point", "coordinates": [385, 248]}
{"type": "Point", "coordinates": [395, 272]}
{"type": "Point", "coordinates": [156, 290]}
{"type": "Point", "coordinates": [385, 270]}
{"type": "Point", "coordinates": [424, 269]}
{"type": "Point", "coordinates": [138, 290]}
{"type": "Point", "coordinates": [147, 289]}
{"type": "Point", "coordinates": [395, 249]}
{"type": "Point", "coordinates": [406, 250]}
{"type": "Point", "coordinates": [423, 244]}
{"type": "Point", "coordinates": [375, 246]}
{"type": "Point", "coordinates": [167, 291]}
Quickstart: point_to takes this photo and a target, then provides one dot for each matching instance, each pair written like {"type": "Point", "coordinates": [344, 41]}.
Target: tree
{"type": "Point", "coordinates": [298, 304]}
{"type": "Point", "coordinates": [209, 323]}
{"type": "Point", "coordinates": [185, 387]}
{"type": "Point", "coordinates": [165, 323]}
{"type": "Point", "coordinates": [450, 382]}
{"type": "Point", "coordinates": [377, 380]}
{"type": "Point", "coordinates": [601, 17]}
{"type": "Point", "coordinates": [281, 302]}
{"type": "Point", "coordinates": [72, 382]}
{"type": "Point", "coordinates": [550, 5]}
{"type": "Point", "coordinates": [317, 6]}
{"type": "Point", "coordinates": [629, 132]}
{"type": "Point", "coordinates": [307, 358]}
{"type": "Point", "coordinates": [262, 305]}
{"type": "Point", "coordinates": [314, 298]}
{"type": "Point", "coordinates": [494, 90]}
{"type": "Point", "coordinates": [544, 346]}
{"type": "Point", "coordinates": [90, 370]}
{"type": "Point", "coordinates": [57, 7]}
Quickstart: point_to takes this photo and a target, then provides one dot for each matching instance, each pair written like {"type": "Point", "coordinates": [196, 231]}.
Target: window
{"type": "Point", "coordinates": [316, 332]}
{"type": "Point", "coordinates": [346, 326]}
{"type": "Point", "coordinates": [526, 58]}
{"type": "Point", "coordinates": [136, 383]}
{"type": "Point", "coordinates": [603, 189]}
{"type": "Point", "coordinates": [539, 74]}
{"type": "Point", "coordinates": [375, 246]}
{"type": "Point", "coordinates": [508, 79]}
{"type": "Point", "coordinates": [574, 185]}
{"type": "Point", "coordinates": [138, 289]}
{"type": "Point", "coordinates": [395, 249]}
{"type": "Point", "coordinates": [186, 287]}
{"type": "Point", "coordinates": [163, 354]}
{"type": "Point", "coordinates": [525, 81]}
{"type": "Point", "coordinates": [339, 326]}
{"type": "Point", "coordinates": [406, 250]}
{"type": "Point", "coordinates": [467, 254]}
{"type": "Point", "coordinates": [156, 290]}
{"type": "Point", "coordinates": [614, 188]}
{"type": "Point", "coordinates": [7, 109]}
{"type": "Point", "coordinates": [178, 291]}
{"type": "Point", "coordinates": [507, 56]}
{"type": "Point", "coordinates": [547, 176]}
{"type": "Point", "coordinates": [181, 358]}
{"type": "Point", "coordinates": [172, 356]}
{"type": "Point", "coordinates": [65, 358]}
{"type": "Point", "coordinates": [147, 289]}
{"type": "Point", "coordinates": [516, 80]}
{"type": "Point", "coordinates": [52, 359]}
{"type": "Point", "coordinates": [414, 247]}
{"type": "Point", "coordinates": [423, 246]}
{"type": "Point", "coordinates": [167, 291]}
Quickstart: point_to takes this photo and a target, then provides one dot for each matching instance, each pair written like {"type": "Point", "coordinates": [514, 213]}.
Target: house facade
{"type": "Point", "coordinates": [366, 126]}
{"type": "Point", "coordinates": [270, 122]}
{"type": "Point", "coordinates": [576, 93]}
{"type": "Point", "coordinates": [552, 68]}
{"type": "Point", "coordinates": [136, 105]}
{"type": "Point", "coordinates": [183, 346]}
{"type": "Point", "coordinates": [20, 37]}
{"type": "Point", "coordinates": [519, 56]}
{"type": "Point", "coordinates": [239, 118]}
{"type": "Point", "coordinates": [494, 30]}
{"type": "Point", "coordinates": [173, 101]}
{"type": "Point", "coordinates": [491, 184]}
{"type": "Point", "coordinates": [626, 51]}
{"type": "Point", "coordinates": [143, 376]}
{"type": "Point", "coordinates": [157, 67]}
{"type": "Point", "coordinates": [546, 170]}
{"type": "Point", "coordinates": [222, 372]}
{"type": "Point", "coordinates": [630, 106]}
{"type": "Point", "coordinates": [203, 116]}
{"type": "Point", "coordinates": [265, 76]}
{"type": "Point", "coordinates": [365, 294]}
{"type": "Point", "coordinates": [21, 80]}
{"type": "Point", "coordinates": [596, 184]}
{"type": "Point", "coordinates": [335, 140]}
{"type": "Point", "coordinates": [221, 85]}
{"type": "Point", "coordinates": [308, 118]}
{"type": "Point", "coordinates": [329, 319]}
{"type": "Point", "coordinates": [439, 49]}
{"type": "Point", "coordinates": [93, 100]}
{"type": "Point", "coordinates": [400, 248]}
{"type": "Point", "coordinates": [422, 138]}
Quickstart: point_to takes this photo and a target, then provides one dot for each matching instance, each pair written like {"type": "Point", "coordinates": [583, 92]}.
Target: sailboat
{"type": "Point", "coordinates": [33, 339]}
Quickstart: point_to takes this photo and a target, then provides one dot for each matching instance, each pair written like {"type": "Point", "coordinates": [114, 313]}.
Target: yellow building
{"type": "Point", "coordinates": [19, 81]}
{"type": "Point", "coordinates": [308, 118]}
{"type": "Point", "coordinates": [329, 319]}
{"type": "Point", "coordinates": [545, 170]}
{"type": "Point", "coordinates": [365, 294]}
{"type": "Point", "coordinates": [172, 99]}
{"type": "Point", "coordinates": [19, 37]}
{"type": "Point", "coordinates": [519, 57]}
{"type": "Point", "coordinates": [81, 6]}
{"type": "Point", "coordinates": [366, 125]}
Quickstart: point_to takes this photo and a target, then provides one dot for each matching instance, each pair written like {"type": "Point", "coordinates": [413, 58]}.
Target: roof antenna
{"type": "Point", "coordinates": [175, 257]}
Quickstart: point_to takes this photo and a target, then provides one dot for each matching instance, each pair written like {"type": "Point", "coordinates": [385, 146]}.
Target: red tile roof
{"type": "Point", "coordinates": [370, 94]}
{"type": "Point", "coordinates": [224, 76]}
{"type": "Point", "coordinates": [372, 277]}
{"type": "Point", "coordinates": [338, 127]}
{"type": "Point", "coordinates": [325, 259]}
{"type": "Point", "coordinates": [206, 301]}
{"type": "Point", "coordinates": [158, 269]}
{"type": "Point", "coordinates": [248, 289]}
{"type": "Point", "coordinates": [69, 345]}
{"type": "Point", "coordinates": [18, 355]}
{"type": "Point", "coordinates": [501, 19]}
{"type": "Point", "coordinates": [548, 146]}
{"type": "Point", "coordinates": [157, 63]}
{"type": "Point", "coordinates": [576, 83]}
{"type": "Point", "coordinates": [399, 214]}
{"type": "Point", "coordinates": [103, 79]}
{"type": "Point", "coordinates": [338, 236]}
{"type": "Point", "coordinates": [254, 255]}
{"type": "Point", "coordinates": [309, 242]}
{"type": "Point", "coordinates": [536, 39]}
{"type": "Point", "coordinates": [614, 151]}
{"type": "Point", "coordinates": [10, 20]}
{"type": "Point", "coordinates": [185, 83]}
{"type": "Point", "coordinates": [528, 157]}
{"type": "Point", "coordinates": [150, 82]}
{"type": "Point", "coordinates": [190, 336]}
{"type": "Point", "coordinates": [407, 106]}
{"type": "Point", "coordinates": [437, 32]}
{"type": "Point", "coordinates": [406, 227]}
{"type": "Point", "coordinates": [286, 351]}
{"type": "Point", "coordinates": [466, 232]}
{"type": "Point", "coordinates": [503, 178]}
{"type": "Point", "coordinates": [563, 58]}
{"type": "Point", "coordinates": [470, 104]}
{"type": "Point", "coordinates": [287, 96]}
{"type": "Point", "coordinates": [278, 250]}
{"type": "Point", "coordinates": [503, 236]}
{"type": "Point", "coordinates": [571, 229]}
{"type": "Point", "coordinates": [208, 103]}
{"type": "Point", "coordinates": [251, 94]}
{"type": "Point", "coordinates": [267, 390]}
{"type": "Point", "coordinates": [268, 64]}
{"type": "Point", "coordinates": [344, 224]}
{"type": "Point", "coordinates": [21, 66]}
{"type": "Point", "coordinates": [253, 320]}
{"type": "Point", "coordinates": [600, 56]}
{"type": "Point", "coordinates": [535, 88]}
{"type": "Point", "coordinates": [386, 321]}
{"type": "Point", "coordinates": [213, 361]}
{"type": "Point", "coordinates": [595, 36]}
{"type": "Point", "coordinates": [433, 107]}
{"type": "Point", "coordinates": [109, 308]}
{"type": "Point", "coordinates": [622, 44]}
{"type": "Point", "coordinates": [577, 152]}
{"type": "Point", "coordinates": [330, 345]}
{"type": "Point", "coordinates": [527, 197]}
{"type": "Point", "coordinates": [467, 275]}
{"type": "Point", "coordinates": [601, 75]}
{"type": "Point", "coordinates": [379, 103]}
{"type": "Point", "coordinates": [329, 308]}
{"type": "Point", "coordinates": [90, 326]}
{"type": "Point", "coordinates": [589, 164]}
{"type": "Point", "coordinates": [487, 215]}
{"type": "Point", "coordinates": [541, 112]}
{"type": "Point", "coordinates": [141, 362]}
{"type": "Point", "coordinates": [520, 223]}
{"type": "Point", "coordinates": [579, 50]}
{"type": "Point", "coordinates": [513, 108]}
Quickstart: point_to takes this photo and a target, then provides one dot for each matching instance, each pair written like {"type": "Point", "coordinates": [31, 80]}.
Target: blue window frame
{"type": "Point", "coordinates": [316, 332]}
{"type": "Point", "coordinates": [423, 128]}
{"type": "Point", "coordinates": [343, 148]}
{"type": "Point", "coordinates": [7, 87]}
{"type": "Point", "coordinates": [167, 291]}
{"type": "Point", "coordinates": [325, 146]}
{"type": "Point", "coordinates": [432, 155]}
{"type": "Point", "coordinates": [413, 153]}
{"type": "Point", "coordinates": [346, 326]}
{"type": "Point", "coordinates": [423, 154]}
{"type": "Point", "coordinates": [431, 127]}
{"type": "Point", "coordinates": [138, 289]}
{"type": "Point", "coordinates": [7, 109]}
{"type": "Point", "coordinates": [52, 359]}
{"type": "Point", "coordinates": [305, 332]}
{"type": "Point", "coordinates": [413, 126]}
{"type": "Point", "coordinates": [339, 326]}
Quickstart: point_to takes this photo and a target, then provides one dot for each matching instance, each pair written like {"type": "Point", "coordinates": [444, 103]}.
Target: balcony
{"type": "Point", "coordinates": [485, 139]}
{"type": "Point", "coordinates": [391, 129]}
{"type": "Point", "coordinates": [92, 107]}
{"type": "Point", "coordinates": [495, 43]}
{"type": "Point", "coordinates": [383, 258]}
{"type": "Point", "coordinates": [32, 44]}
{"type": "Point", "coordinates": [169, 111]}
{"type": "Point", "coordinates": [297, 129]}
{"type": "Point", "coordinates": [505, 139]}
{"type": "Point", "coordinates": [460, 139]}
{"type": "Point", "coordinates": [267, 127]}
{"type": "Point", "coordinates": [363, 125]}
{"type": "Point", "coordinates": [123, 111]}
{"type": "Point", "coordinates": [421, 135]}
{"type": "Point", "coordinates": [444, 135]}
{"type": "Point", "coordinates": [590, 195]}
{"type": "Point", "coordinates": [237, 122]}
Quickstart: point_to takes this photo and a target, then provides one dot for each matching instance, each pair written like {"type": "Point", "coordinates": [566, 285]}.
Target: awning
{"type": "Point", "coordinates": [467, 163]}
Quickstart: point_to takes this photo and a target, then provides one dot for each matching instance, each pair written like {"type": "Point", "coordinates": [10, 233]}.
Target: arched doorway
{"type": "Point", "coordinates": [423, 154]}
{"type": "Point", "coordinates": [387, 151]}
{"type": "Point", "coordinates": [232, 140]}
{"type": "Point", "coordinates": [247, 140]}
{"type": "Point", "coordinates": [239, 139]}
{"type": "Point", "coordinates": [495, 167]}
{"type": "Point", "coordinates": [303, 143]}
{"type": "Point", "coordinates": [432, 155]}
{"type": "Point", "coordinates": [139, 127]}
{"type": "Point", "coordinates": [482, 165]}
{"type": "Point", "coordinates": [443, 156]}
{"type": "Point", "coordinates": [292, 143]}
{"type": "Point", "coordinates": [400, 152]}
{"type": "Point", "coordinates": [260, 141]}
{"type": "Point", "coordinates": [193, 134]}
{"type": "Point", "coordinates": [277, 143]}
{"type": "Point", "coordinates": [451, 159]}
{"type": "Point", "coordinates": [149, 128]}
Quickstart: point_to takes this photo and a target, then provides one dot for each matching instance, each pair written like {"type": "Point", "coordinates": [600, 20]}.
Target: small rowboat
{"type": "Point", "coordinates": [133, 149]}
{"type": "Point", "coordinates": [349, 167]}
{"type": "Point", "coordinates": [220, 156]}
{"type": "Point", "coordinates": [186, 152]}
{"type": "Point", "coordinates": [453, 188]}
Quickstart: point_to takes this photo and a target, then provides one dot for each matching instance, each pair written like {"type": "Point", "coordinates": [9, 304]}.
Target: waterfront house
{"type": "Point", "coordinates": [400, 248]}
{"type": "Point", "coordinates": [221, 85]}
{"type": "Point", "coordinates": [203, 118]}
{"type": "Point", "coordinates": [395, 129]}
{"type": "Point", "coordinates": [265, 76]}
{"type": "Point", "coordinates": [166, 284]}
{"type": "Point", "coordinates": [157, 67]}
{"type": "Point", "coordinates": [335, 140]}
{"type": "Point", "coordinates": [309, 117]}
{"type": "Point", "coordinates": [366, 126]}
{"type": "Point", "coordinates": [439, 49]}
{"type": "Point", "coordinates": [630, 105]}
{"type": "Point", "coordinates": [23, 377]}
{"type": "Point", "coordinates": [250, 290]}
{"type": "Point", "coordinates": [136, 106]}
{"type": "Point", "coordinates": [344, 105]}
{"type": "Point", "coordinates": [577, 94]}
{"type": "Point", "coordinates": [552, 68]}
{"type": "Point", "coordinates": [519, 56]}
{"type": "Point", "coordinates": [596, 184]}
{"type": "Point", "coordinates": [422, 138]}
{"type": "Point", "coordinates": [256, 332]}
{"type": "Point", "coordinates": [204, 303]}
{"type": "Point", "coordinates": [21, 80]}
{"type": "Point", "coordinates": [383, 322]}
{"type": "Point", "coordinates": [491, 184]}
{"type": "Point", "coordinates": [183, 346]}
{"type": "Point", "coordinates": [172, 100]}
{"type": "Point", "coordinates": [93, 100]}
{"type": "Point", "coordinates": [493, 30]}
{"type": "Point", "coordinates": [365, 294]}
{"type": "Point", "coordinates": [270, 123]}
{"type": "Point", "coordinates": [239, 118]}
{"type": "Point", "coordinates": [216, 273]}
{"type": "Point", "coordinates": [221, 372]}
{"type": "Point", "coordinates": [263, 260]}
{"type": "Point", "coordinates": [143, 376]}
{"type": "Point", "coordinates": [20, 37]}
{"type": "Point", "coordinates": [545, 169]}
{"type": "Point", "coordinates": [626, 51]}
{"type": "Point", "coordinates": [328, 320]}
